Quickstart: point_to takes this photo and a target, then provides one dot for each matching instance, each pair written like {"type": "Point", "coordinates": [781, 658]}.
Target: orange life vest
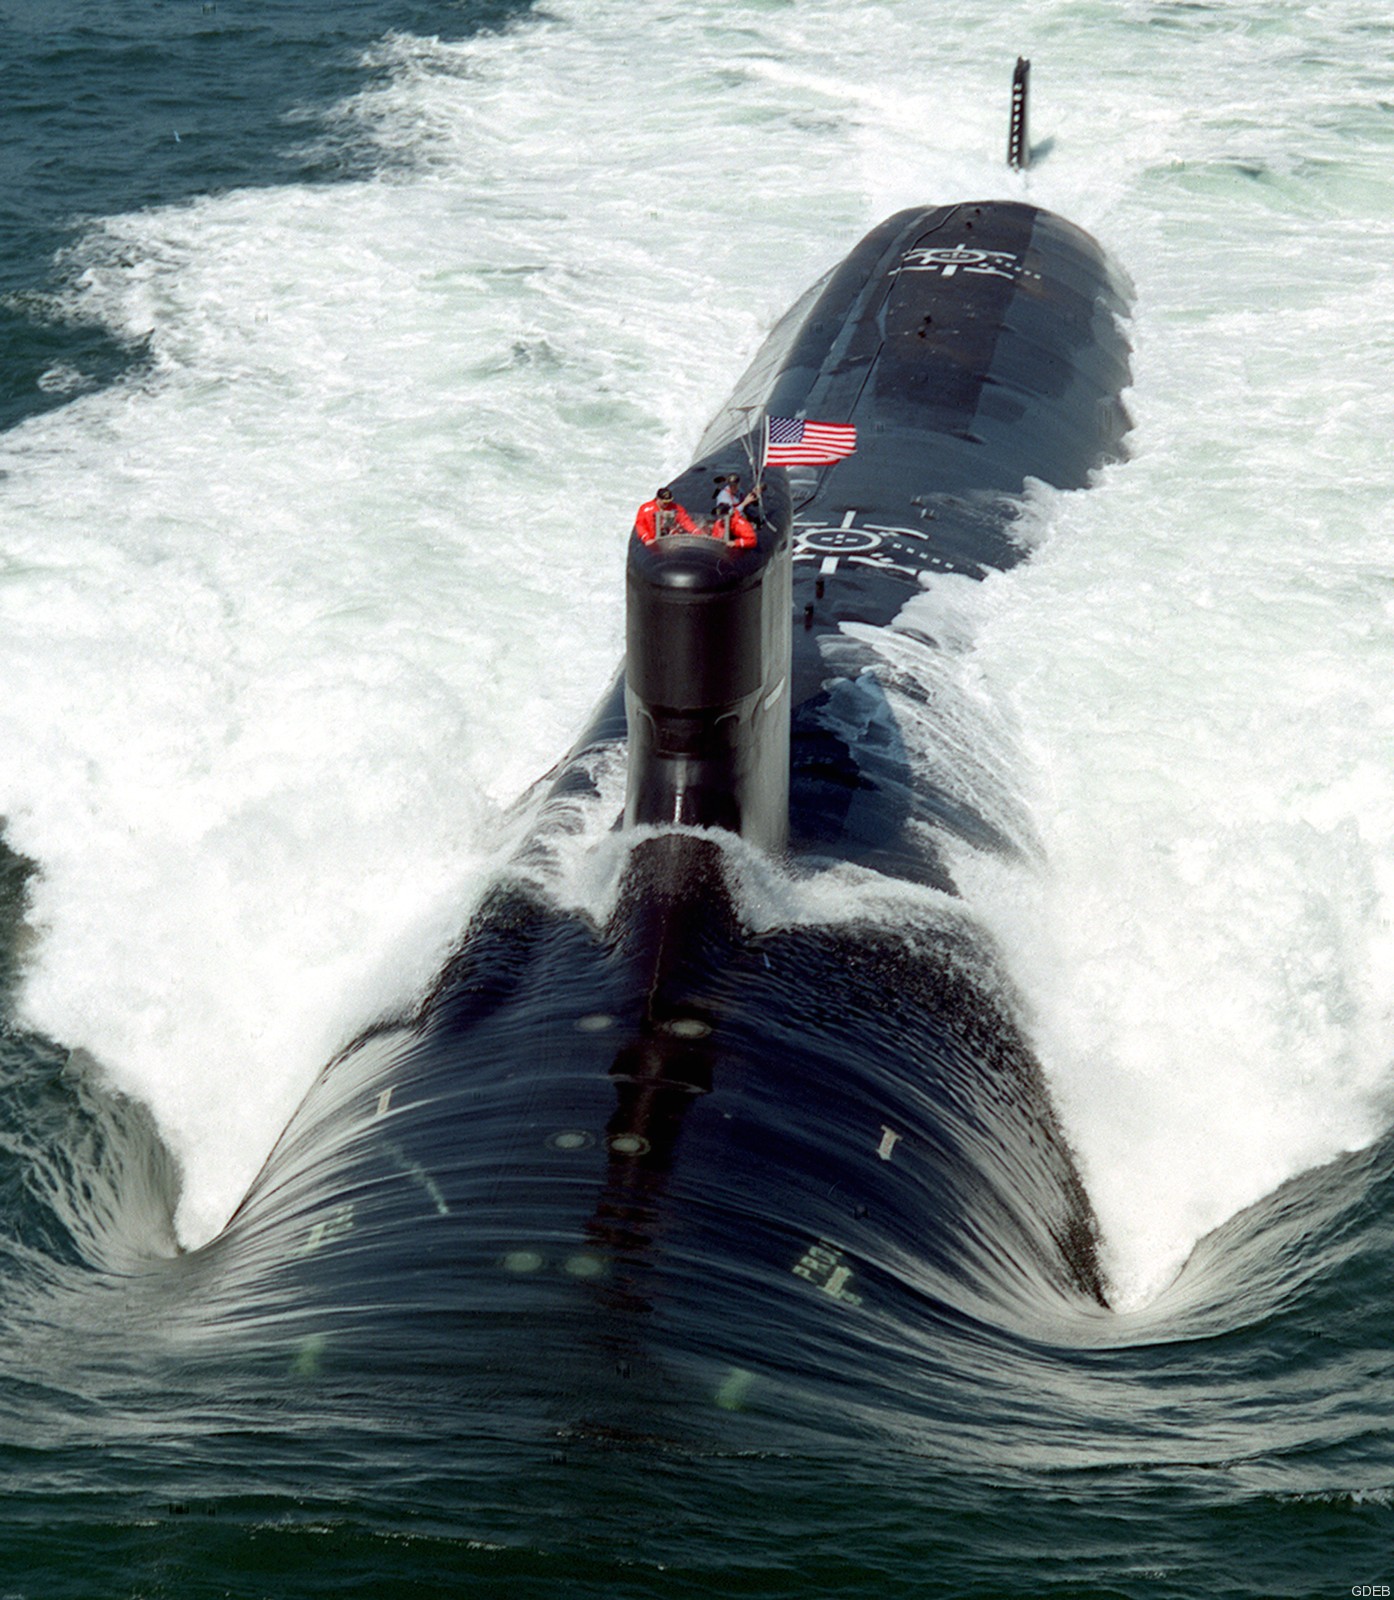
{"type": "Point", "coordinates": [741, 533]}
{"type": "Point", "coordinates": [654, 521]}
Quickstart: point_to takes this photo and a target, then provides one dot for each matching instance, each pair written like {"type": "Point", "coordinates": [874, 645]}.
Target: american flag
{"type": "Point", "coordinates": [791, 442]}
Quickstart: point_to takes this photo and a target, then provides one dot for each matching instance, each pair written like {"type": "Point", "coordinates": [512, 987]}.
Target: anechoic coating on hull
{"type": "Point", "coordinates": [975, 348]}
{"type": "Point", "coordinates": [828, 1132]}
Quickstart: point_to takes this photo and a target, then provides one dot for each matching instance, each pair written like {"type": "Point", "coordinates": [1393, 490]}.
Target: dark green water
{"type": "Point", "coordinates": [111, 108]}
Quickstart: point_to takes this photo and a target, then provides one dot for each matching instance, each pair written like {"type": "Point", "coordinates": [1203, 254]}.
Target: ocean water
{"type": "Point", "coordinates": [315, 320]}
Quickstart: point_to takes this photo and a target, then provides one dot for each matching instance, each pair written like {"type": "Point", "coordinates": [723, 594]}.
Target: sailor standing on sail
{"type": "Point", "coordinates": [732, 525]}
{"type": "Point", "coordinates": [659, 517]}
{"type": "Point", "coordinates": [729, 496]}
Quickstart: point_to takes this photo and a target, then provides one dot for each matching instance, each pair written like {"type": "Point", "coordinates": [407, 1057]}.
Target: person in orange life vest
{"type": "Point", "coordinates": [659, 517]}
{"type": "Point", "coordinates": [734, 527]}
{"type": "Point", "coordinates": [742, 529]}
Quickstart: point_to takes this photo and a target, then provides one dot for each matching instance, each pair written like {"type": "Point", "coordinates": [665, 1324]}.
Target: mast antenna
{"type": "Point", "coordinates": [1018, 144]}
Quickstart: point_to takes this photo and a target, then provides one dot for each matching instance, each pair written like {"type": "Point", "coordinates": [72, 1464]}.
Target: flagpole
{"type": "Point", "coordinates": [748, 446]}
{"type": "Point", "coordinates": [759, 478]}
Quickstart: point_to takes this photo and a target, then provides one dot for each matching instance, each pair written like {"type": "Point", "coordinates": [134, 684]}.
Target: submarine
{"type": "Point", "coordinates": [694, 1147]}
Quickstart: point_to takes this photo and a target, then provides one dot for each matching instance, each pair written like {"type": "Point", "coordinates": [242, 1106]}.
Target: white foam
{"type": "Point", "coordinates": [1200, 659]}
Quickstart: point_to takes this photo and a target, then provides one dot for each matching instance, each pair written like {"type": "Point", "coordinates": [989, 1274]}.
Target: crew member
{"type": "Point", "coordinates": [659, 517]}
{"type": "Point", "coordinates": [741, 533]}
{"type": "Point", "coordinates": [728, 493]}
{"type": "Point", "coordinates": [734, 527]}
{"type": "Point", "coordinates": [751, 498]}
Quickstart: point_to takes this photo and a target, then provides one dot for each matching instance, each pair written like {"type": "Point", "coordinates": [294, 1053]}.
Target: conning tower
{"type": "Point", "coordinates": [708, 640]}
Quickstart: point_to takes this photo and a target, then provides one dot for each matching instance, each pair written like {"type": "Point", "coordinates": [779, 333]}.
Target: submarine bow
{"type": "Point", "coordinates": [664, 1143]}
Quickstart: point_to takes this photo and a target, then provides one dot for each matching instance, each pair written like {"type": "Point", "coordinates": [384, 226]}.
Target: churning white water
{"type": "Point", "coordinates": [288, 623]}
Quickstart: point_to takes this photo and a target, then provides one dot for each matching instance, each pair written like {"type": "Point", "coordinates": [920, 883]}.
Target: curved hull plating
{"type": "Point", "coordinates": [616, 1167]}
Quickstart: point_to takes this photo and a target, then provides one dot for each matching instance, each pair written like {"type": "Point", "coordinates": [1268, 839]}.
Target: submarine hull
{"type": "Point", "coordinates": [978, 350]}
{"type": "Point", "coordinates": [681, 1142]}
{"type": "Point", "coordinates": [636, 1179]}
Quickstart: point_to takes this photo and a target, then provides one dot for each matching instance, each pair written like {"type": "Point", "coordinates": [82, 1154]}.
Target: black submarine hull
{"type": "Point", "coordinates": [684, 1150]}
{"type": "Point", "coordinates": [976, 349]}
